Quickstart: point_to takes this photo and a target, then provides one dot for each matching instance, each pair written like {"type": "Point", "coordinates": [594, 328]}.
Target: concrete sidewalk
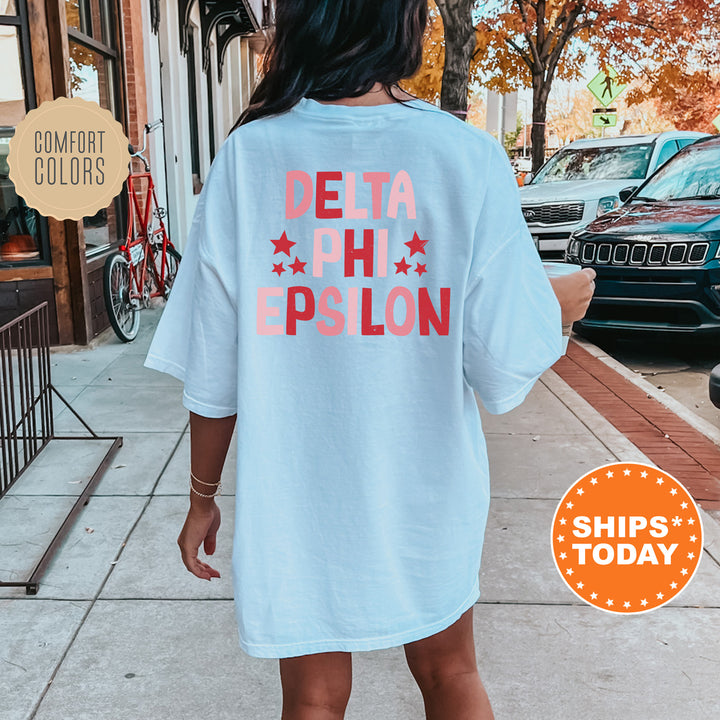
{"type": "Point", "coordinates": [120, 630]}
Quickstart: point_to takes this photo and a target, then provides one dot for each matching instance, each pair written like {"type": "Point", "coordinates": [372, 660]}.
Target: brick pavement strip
{"type": "Point", "coordinates": [670, 442]}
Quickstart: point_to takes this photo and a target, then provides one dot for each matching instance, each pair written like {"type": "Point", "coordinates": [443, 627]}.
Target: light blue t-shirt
{"type": "Point", "coordinates": [351, 275]}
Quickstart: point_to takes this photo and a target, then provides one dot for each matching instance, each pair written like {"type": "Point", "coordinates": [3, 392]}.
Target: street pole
{"type": "Point", "coordinates": [501, 119]}
{"type": "Point", "coordinates": [525, 124]}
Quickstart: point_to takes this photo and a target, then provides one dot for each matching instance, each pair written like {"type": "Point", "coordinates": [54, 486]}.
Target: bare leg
{"type": "Point", "coordinates": [445, 668]}
{"type": "Point", "coordinates": [316, 686]}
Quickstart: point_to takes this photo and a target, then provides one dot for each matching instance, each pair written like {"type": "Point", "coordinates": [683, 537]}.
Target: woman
{"type": "Point", "coordinates": [357, 265]}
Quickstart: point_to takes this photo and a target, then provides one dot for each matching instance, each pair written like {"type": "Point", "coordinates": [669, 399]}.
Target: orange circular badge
{"type": "Point", "coordinates": [627, 538]}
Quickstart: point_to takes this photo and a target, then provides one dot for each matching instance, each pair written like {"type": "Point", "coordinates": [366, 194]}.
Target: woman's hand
{"type": "Point", "coordinates": [574, 292]}
{"type": "Point", "coordinates": [201, 526]}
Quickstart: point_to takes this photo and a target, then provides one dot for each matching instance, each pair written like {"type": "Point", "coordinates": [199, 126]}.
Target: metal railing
{"type": "Point", "coordinates": [26, 413]}
{"type": "Point", "coordinates": [26, 417]}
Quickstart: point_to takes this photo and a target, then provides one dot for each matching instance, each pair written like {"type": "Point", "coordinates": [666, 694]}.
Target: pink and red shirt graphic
{"type": "Point", "coordinates": [351, 253]}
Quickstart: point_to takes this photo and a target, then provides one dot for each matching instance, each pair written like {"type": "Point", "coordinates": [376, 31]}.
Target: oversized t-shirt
{"type": "Point", "coordinates": [352, 274]}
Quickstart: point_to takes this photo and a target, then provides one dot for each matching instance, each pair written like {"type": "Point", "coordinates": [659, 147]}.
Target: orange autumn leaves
{"type": "Point", "coordinates": [666, 49]}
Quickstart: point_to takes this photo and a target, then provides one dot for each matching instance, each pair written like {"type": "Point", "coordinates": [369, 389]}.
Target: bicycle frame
{"type": "Point", "coordinates": [137, 237]}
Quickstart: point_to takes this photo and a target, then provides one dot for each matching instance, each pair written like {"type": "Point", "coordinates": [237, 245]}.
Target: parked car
{"type": "Point", "coordinates": [715, 386]}
{"type": "Point", "coordinates": [583, 180]}
{"type": "Point", "coordinates": [657, 258]}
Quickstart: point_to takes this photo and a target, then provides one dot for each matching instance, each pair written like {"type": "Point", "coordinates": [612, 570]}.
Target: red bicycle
{"type": "Point", "coordinates": [146, 265]}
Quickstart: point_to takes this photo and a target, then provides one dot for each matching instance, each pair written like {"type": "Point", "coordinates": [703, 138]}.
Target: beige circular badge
{"type": "Point", "coordinates": [68, 158]}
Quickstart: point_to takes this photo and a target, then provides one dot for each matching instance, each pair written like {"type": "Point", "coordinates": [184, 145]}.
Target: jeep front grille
{"type": "Point", "coordinates": [638, 254]}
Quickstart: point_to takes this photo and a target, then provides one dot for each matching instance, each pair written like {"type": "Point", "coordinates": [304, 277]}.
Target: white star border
{"type": "Point", "coordinates": [569, 574]}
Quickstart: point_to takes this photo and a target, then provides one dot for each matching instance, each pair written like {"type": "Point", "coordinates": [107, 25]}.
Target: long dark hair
{"type": "Point", "coordinates": [331, 49]}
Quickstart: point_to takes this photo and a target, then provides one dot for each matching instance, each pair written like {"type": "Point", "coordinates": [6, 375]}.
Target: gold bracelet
{"type": "Point", "coordinates": [201, 482]}
{"type": "Point", "coordinates": [217, 492]}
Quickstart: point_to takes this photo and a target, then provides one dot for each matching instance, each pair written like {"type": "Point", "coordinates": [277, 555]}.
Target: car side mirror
{"type": "Point", "coordinates": [528, 178]}
{"type": "Point", "coordinates": [626, 193]}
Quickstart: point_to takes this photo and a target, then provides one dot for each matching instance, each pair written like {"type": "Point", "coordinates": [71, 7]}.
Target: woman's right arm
{"type": "Point", "coordinates": [209, 442]}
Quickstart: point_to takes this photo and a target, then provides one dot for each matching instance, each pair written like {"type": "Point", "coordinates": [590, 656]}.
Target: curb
{"type": "Point", "coordinates": [623, 449]}
{"type": "Point", "coordinates": [684, 413]}
{"type": "Point", "coordinates": [617, 443]}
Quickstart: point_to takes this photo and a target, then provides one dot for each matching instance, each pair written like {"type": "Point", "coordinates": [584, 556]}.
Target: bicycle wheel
{"type": "Point", "coordinates": [123, 313]}
{"type": "Point", "coordinates": [172, 263]}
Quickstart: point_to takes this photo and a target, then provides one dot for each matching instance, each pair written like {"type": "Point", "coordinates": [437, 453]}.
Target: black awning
{"type": "Point", "coordinates": [225, 32]}
{"type": "Point", "coordinates": [227, 18]}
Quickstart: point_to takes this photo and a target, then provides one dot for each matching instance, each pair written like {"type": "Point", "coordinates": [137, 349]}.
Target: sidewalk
{"type": "Point", "coordinates": [112, 634]}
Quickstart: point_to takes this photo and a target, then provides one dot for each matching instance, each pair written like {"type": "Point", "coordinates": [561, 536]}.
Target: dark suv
{"type": "Point", "coordinates": [657, 257]}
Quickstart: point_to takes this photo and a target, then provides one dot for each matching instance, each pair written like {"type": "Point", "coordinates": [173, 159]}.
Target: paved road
{"type": "Point", "coordinates": [677, 368]}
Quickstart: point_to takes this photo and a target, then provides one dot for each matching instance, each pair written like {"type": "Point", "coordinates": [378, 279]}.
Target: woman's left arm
{"type": "Point", "coordinates": [209, 443]}
{"type": "Point", "coordinates": [574, 293]}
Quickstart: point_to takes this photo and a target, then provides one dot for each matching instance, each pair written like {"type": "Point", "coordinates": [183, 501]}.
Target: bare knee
{"type": "Point", "coordinates": [446, 656]}
{"type": "Point", "coordinates": [431, 671]}
{"type": "Point", "coordinates": [317, 686]}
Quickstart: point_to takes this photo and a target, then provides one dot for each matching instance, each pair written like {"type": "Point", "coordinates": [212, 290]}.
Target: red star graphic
{"type": "Point", "coordinates": [279, 269]}
{"type": "Point", "coordinates": [420, 269]}
{"type": "Point", "coordinates": [416, 245]}
{"type": "Point", "coordinates": [402, 267]}
{"type": "Point", "coordinates": [282, 244]}
{"type": "Point", "coordinates": [298, 266]}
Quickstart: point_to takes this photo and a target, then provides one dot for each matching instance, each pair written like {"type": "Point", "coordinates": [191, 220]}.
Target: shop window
{"type": "Point", "coordinates": [94, 76]}
{"type": "Point", "coordinates": [23, 231]}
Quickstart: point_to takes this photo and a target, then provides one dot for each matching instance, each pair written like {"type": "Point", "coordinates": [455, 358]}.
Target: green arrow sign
{"type": "Point", "coordinates": [605, 86]}
{"type": "Point", "coordinates": [605, 120]}
{"type": "Point", "coordinates": [716, 122]}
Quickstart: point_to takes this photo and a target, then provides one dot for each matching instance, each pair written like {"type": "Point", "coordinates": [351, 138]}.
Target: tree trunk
{"type": "Point", "coordinates": [459, 47]}
{"type": "Point", "coordinates": [541, 90]}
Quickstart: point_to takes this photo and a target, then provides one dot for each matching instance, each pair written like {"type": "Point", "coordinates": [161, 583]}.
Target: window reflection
{"type": "Point", "coordinates": [91, 78]}
{"type": "Point", "coordinates": [19, 232]}
{"type": "Point", "coordinates": [77, 13]}
{"type": "Point", "coordinates": [12, 94]}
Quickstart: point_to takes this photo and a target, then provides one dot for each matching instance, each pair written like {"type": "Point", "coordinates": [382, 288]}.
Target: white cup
{"type": "Point", "coordinates": [558, 269]}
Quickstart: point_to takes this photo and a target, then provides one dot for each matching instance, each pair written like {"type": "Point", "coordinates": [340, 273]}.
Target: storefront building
{"type": "Point", "coordinates": [190, 62]}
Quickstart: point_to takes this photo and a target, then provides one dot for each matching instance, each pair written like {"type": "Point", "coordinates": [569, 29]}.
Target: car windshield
{"type": "Point", "coordinates": [691, 174]}
{"type": "Point", "coordinates": [620, 162]}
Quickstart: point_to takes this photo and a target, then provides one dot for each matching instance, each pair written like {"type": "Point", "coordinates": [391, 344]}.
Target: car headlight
{"type": "Point", "coordinates": [574, 247]}
{"type": "Point", "coordinates": [607, 204]}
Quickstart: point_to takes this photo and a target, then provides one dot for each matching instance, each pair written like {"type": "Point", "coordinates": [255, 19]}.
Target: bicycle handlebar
{"type": "Point", "coordinates": [149, 127]}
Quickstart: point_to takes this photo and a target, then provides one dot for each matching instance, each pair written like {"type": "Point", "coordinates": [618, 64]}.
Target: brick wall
{"type": "Point", "coordinates": [135, 68]}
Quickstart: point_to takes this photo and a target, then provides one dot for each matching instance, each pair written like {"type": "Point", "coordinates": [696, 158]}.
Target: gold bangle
{"type": "Point", "coordinates": [201, 482]}
{"type": "Point", "coordinates": [217, 492]}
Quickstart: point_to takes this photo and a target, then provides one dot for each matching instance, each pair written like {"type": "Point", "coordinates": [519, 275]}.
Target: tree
{"type": "Point", "coordinates": [691, 99]}
{"type": "Point", "coordinates": [460, 44]}
{"type": "Point", "coordinates": [652, 41]}
{"type": "Point", "coordinates": [450, 29]}
{"type": "Point", "coordinates": [666, 48]}
{"type": "Point", "coordinates": [427, 81]}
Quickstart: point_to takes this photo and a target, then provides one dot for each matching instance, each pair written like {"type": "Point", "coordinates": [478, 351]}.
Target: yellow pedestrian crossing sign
{"type": "Point", "coordinates": [606, 87]}
{"type": "Point", "coordinates": [716, 122]}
